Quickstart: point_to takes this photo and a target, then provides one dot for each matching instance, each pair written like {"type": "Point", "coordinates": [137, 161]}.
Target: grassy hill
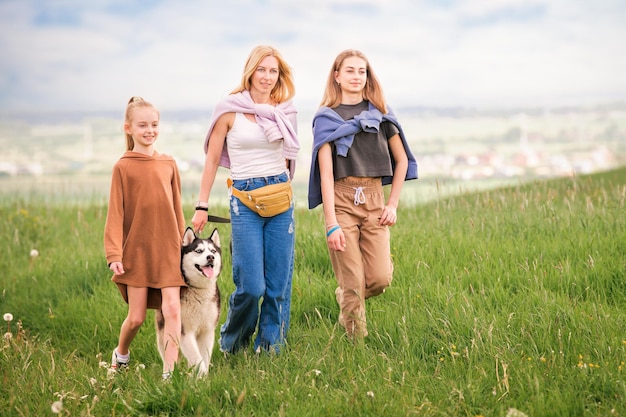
{"type": "Point", "coordinates": [504, 302]}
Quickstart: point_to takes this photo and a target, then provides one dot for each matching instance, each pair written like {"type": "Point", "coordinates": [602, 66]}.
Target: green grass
{"type": "Point", "coordinates": [506, 299]}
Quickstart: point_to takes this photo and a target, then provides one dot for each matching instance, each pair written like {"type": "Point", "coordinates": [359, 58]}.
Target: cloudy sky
{"type": "Point", "coordinates": [93, 55]}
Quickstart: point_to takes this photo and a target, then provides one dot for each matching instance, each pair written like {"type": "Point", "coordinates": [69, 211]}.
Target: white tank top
{"type": "Point", "coordinates": [251, 153]}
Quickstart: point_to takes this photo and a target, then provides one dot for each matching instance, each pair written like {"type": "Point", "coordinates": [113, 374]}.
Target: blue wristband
{"type": "Point", "coordinates": [330, 232]}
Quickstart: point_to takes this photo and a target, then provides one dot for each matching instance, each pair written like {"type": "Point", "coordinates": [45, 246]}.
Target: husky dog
{"type": "Point", "coordinates": [201, 264]}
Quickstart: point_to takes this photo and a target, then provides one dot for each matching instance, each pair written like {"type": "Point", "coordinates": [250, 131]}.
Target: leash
{"type": "Point", "coordinates": [217, 219]}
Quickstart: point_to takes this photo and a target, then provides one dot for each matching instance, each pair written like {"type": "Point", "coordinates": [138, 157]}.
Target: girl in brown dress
{"type": "Point", "coordinates": [143, 233]}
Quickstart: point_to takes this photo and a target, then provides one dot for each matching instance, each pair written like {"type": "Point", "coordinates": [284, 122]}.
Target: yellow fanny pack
{"type": "Point", "coordinates": [266, 201]}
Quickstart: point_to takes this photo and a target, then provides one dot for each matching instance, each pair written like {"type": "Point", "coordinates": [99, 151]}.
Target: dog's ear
{"type": "Point", "coordinates": [215, 237]}
{"type": "Point", "coordinates": [188, 237]}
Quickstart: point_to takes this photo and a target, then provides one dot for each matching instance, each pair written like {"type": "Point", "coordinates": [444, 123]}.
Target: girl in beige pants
{"type": "Point", "coordinates": [364, 269]}
{"type": "Point", "coordinates": [358, 146]}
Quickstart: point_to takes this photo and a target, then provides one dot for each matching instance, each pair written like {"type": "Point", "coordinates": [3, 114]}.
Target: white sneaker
{"type": "Point", "coordinates": [339, 297]}
{"type": "Point", "coordinates": [117, 363]}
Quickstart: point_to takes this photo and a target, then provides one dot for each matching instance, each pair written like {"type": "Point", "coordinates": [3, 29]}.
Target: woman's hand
{"type": "Point", "coordinates": [117, 268]}
{"type": "Point", "coordinates": [388, 216]}
{"type": "Point", "coordinates": [337, 240]}
{"type": "Point", "coordinates": [198, 220]}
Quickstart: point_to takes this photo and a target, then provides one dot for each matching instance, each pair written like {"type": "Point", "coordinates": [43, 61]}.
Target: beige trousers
{"type": "Point", "coordinates": [364, 269]}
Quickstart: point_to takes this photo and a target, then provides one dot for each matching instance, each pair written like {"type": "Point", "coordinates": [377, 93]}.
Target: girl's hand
{"type": "Point", "coordinates": [199, 220]}
{"type": "Point", "coordinates": [117, 268]}
{"type": "Point", "coordinates": [388, 216]}
{"type": "Point", "coordinates": [336, 241]}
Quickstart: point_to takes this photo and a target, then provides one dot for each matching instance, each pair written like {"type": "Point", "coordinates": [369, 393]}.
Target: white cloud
{"type": "Point", "coordinates": [94, 55]}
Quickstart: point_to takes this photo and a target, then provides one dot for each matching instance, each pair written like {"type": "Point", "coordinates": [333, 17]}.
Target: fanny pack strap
{"type": "Point", "coordinates": [239, 194]}
{"type": "Point", "coordinates": [234, 191]}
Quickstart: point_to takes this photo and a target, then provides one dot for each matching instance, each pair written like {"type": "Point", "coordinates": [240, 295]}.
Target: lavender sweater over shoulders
{"type": "Point", "coordinates": [278, 122]}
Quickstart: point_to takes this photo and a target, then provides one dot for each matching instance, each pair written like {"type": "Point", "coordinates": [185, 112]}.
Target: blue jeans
{"type": "Point", "coordinates": [262, 258]}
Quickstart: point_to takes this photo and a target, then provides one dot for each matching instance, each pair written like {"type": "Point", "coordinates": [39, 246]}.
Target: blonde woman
{"type": "Point", "coordinates": [253, 133]}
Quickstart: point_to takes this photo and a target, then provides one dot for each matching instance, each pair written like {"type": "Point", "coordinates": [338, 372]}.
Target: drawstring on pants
{"type": "Point", "coordinates": [359, 196]}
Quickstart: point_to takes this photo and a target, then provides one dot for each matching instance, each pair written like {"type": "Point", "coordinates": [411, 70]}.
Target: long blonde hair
{"type": "Point", "coordinates": [284, 89]}
{"type": "Point", "coordinates": [134, 103]}
{"type": "Point", "coordinates": [372, 92]}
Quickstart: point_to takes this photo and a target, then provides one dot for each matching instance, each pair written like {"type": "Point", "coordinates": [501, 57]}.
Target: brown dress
{"type": "Point", "coordinates": [145, 224]}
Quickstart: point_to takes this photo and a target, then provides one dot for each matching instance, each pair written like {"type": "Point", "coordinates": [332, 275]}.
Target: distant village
{"type": "Point", "coordinates": [458, 145]}
{"type": "Point", "coordinates": [539, 144]}
{"type": "Point", "coordinates": [529, 161]}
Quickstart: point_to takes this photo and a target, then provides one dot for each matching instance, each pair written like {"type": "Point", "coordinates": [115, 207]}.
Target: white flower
{"type": "Point", "coordinates": [513, 412]}
{"type": "Point", "coordinates": [370, 394]}
{"type": "Point", "coordinates": [8, 317]}
{"type": "Point", "coordinates": [57, 407]}
{"type": "Point", "coordinates": [34, 253]}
